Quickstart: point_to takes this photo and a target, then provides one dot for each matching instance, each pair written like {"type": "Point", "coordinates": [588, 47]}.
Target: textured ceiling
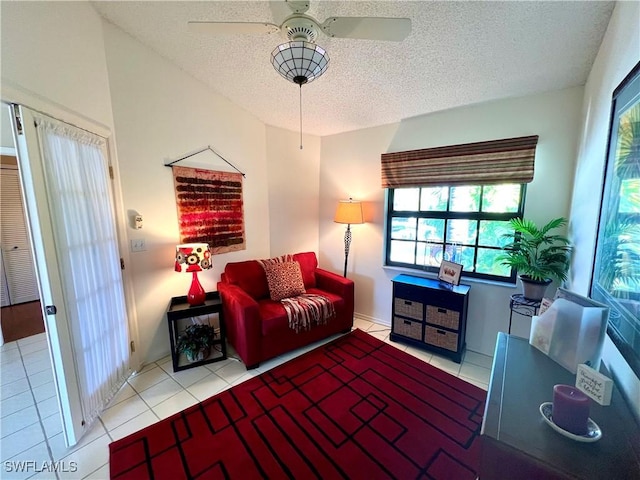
{"type": "Point", "coordinates": [458, 53]}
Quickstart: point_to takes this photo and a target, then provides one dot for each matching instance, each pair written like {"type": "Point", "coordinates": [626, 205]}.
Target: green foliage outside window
{"type": "Point", "coordinates": [616, 276]}
{"type": "Point", "coordinates": [462, 224]}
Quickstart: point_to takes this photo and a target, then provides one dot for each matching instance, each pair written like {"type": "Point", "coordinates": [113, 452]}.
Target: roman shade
{"type": "Point", "coordinates": [497, 161]}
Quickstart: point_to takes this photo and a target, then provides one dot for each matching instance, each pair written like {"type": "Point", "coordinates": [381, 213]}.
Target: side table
{"type": "Point", "coordinates": [522, 306]}
{"type": "Point", "coordinates": [179, 309]}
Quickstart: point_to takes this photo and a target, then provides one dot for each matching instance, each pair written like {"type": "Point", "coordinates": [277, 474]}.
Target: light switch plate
{"type": "Point", "coordinates": [138, 245]}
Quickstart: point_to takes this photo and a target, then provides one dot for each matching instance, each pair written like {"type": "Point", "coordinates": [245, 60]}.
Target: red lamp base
{"type": "Point", "coordinates": [196, 295]}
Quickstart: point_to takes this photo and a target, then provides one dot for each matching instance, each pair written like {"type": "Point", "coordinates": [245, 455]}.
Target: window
{"type": "Point", "coordinates": [462, 224]}
{"type": "Point", "coordinates": [454, 203]}
{"type": "Point", "coordinates": [616, 276]}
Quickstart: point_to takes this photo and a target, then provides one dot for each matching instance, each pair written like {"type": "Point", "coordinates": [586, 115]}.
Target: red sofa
{"type": "Point", "coordinates": [258, 327]}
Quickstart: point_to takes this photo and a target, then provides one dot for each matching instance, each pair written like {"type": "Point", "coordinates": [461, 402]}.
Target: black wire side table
{"type": "Point", "coordinates": [522, 306]}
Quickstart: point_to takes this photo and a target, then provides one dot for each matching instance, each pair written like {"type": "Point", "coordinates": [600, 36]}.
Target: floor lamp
{"type": "Point", "coordinates": [348, 212]}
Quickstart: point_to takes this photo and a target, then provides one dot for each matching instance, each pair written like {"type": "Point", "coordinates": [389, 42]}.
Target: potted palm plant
{"type": "Point", "coordinates": [537, 255]}
{"type": "Point", "coordinates": [196, 341]}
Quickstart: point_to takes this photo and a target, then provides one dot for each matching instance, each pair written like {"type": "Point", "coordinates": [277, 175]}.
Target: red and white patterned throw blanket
{"type": "Point", "coordinates": [307, 310]}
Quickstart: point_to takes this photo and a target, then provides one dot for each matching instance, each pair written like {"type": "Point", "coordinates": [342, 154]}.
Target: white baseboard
{"type": "Point", "coordinates": [369, 318]}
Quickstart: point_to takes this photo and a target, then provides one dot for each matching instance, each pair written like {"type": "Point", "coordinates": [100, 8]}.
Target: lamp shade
{"type": "Point", "coordinates": [193, 257]}
{"type": "Point", "coordinates": [300, 62]}
{"type": "Point", "coordinates": [349, 212]}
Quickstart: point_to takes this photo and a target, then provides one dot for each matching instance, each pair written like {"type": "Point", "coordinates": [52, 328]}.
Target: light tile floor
{"type": "Point", "coordinates": [30, 426]}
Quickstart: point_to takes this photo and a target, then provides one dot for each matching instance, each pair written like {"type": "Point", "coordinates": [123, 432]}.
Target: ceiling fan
{"type": "Point", "coordinates": [299, 26]}
{"type": "Point", "coordinates": [300, 61]}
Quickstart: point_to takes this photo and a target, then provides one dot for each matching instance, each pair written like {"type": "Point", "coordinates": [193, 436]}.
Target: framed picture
{"type": "Point", "coordinates": [616, 274]}
{"type": "Point", "coordinates": [450, 272]}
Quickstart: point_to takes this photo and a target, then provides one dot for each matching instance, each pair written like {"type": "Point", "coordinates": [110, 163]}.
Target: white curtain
{"type": "Point", "coordinates": [81, 204]}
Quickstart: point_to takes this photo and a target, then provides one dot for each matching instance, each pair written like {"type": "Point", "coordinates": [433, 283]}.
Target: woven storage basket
{"type": "Point", "coordinates": [441, 338]}
{"type": "Point", "coordinates": [407, 328]}
{"type": "Point", "coordinates": [408, 308]}
{"type": "Point", "coordinates": [443, 317]}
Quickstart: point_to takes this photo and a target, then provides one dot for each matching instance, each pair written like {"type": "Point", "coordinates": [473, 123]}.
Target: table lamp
{"type": "Point", "coordinates": [348, 212]}
{"type": "Point", "coordinates": [193, 257]}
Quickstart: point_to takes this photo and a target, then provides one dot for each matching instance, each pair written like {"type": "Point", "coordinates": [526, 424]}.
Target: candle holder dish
{"type": "Point", "coordinates": [593, 430]}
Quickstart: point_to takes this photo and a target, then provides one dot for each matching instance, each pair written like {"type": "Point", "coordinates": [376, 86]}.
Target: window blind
{"type": "Point", "coordinates": [497, 161]}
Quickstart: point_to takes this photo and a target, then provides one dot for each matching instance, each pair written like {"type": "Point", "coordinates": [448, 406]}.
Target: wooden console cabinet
{"type": "Point", "coordinates": [430, 315]}
{"type": "Point", "coordinates": [517, 443]}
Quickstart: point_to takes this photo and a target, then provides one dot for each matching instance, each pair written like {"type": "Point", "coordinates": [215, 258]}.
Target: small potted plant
{"type": "Point", "coordinates": [196, 341]}
{"type": "Point", "coordinates": [538, 256]}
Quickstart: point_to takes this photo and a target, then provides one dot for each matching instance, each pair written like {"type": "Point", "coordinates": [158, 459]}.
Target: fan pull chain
{"type": "Point", "coordinates": [300, 117]}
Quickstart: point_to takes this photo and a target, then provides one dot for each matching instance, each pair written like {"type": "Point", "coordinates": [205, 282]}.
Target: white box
{"type": "Point", "coordinates": [571, 331]}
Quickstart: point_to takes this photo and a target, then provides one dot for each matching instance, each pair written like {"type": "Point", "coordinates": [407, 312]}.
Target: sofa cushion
{"type": "Point", "coordinates": [274, 316]}
{"type": "Point", "coordinates": [308, 264]}
{"type": "Point", "coordinates": [284, 280]}
{"type": "Point", "coordinates": [249, 276]}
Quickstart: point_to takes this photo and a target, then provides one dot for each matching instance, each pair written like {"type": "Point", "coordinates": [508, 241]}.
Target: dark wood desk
{"type": "Point", "coordinates": [517, 443]}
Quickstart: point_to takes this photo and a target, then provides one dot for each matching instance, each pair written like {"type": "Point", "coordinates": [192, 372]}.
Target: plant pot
{"type": "Point", "coordinates": [198, 356]}
{"type": "Point", "coordinates": [533, 289]}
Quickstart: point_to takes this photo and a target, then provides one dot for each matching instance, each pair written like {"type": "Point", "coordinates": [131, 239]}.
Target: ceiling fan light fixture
{"type": "Point", "coordinates": [300, 62]}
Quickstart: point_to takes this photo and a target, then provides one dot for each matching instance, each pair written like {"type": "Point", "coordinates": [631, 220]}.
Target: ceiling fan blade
{"type": "Point", "coordinates": [298, 6]}
{"type": "Point", "coordinates": [233, 28]}
{"type": "Point", "coordinates": [368, 28]}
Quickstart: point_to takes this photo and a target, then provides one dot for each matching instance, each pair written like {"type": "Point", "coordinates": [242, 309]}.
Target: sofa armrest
{"type": "Point", "coordinates": [242, 322]}
{"type": "Point", "coordinates": [333, 283]}
{"type": "Point", "coordinates": [341, 286]}
{"type": "Point", "coordinates": [338, 285]}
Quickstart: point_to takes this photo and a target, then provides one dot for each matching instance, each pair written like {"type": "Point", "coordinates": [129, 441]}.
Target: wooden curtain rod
{"type": "Point", "coordinates": [208, 147]}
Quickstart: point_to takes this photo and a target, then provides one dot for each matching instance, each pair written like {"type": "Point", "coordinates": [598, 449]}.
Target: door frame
{"type": "Point", "coordinates": [12, 95]}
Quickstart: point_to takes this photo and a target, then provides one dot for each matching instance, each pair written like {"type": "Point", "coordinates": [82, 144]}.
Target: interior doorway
{"type": "Point", "coordinates": [28, 390]}
{"type": "Point", "coordinates": [67, 178]}
{"type": "Point", "coordinates": [21, 314]}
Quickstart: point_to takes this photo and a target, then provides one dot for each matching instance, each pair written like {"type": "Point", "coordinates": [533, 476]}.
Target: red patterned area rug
{"type": "Point", "coordinates": [355, 408]}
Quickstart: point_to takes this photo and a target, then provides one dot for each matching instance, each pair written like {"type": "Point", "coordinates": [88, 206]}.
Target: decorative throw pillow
{"type": "Point", "coordinates": [284, 279]}
{"type": "Point", "coordinates": [281, 259]}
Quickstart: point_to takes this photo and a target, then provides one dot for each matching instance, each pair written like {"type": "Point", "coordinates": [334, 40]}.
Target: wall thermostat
{"type": "Point", "coordinates": [137, 220]}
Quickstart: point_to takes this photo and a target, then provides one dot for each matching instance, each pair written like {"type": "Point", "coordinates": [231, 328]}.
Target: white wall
{"type": "Point", "coordinates": [351, 165]}
{"type": "Point", "coordinates": [619, 52]}
{"type": "Point", "coordinates": [6, 136]}
{"type": "Point", "coordinates": [293, 191]}
{"type": "Point", "coordinates": [161, 113]}
{"type": "Point", "coordinates": [55, 50]}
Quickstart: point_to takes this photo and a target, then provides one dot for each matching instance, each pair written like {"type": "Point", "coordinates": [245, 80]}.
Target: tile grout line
{"type": "Point", "coordinates": [94, 471]}
{"type": "Point", "coordinates": [126, 421]}
{"type": "Point", "coordinates": [375, 329]}
{"type": "Point", "coordinates": [44, 432]}
{"type": "Point", "coordinates": [22, 409]}
{"type": "Point", "coordinates": [99, 419]}
{"type": "Point", "coordinates": [171, 377]}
